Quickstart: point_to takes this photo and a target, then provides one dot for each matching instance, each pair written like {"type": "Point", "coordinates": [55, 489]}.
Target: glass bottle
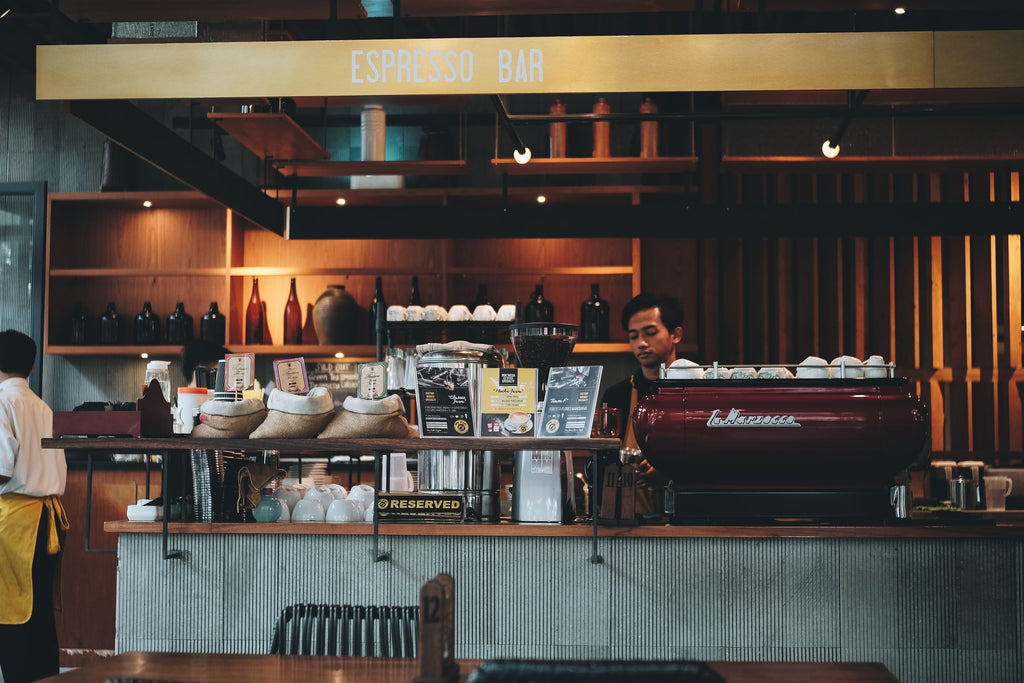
{"type": "Point", "coordinates": [602, 130]}
{"type": "Point", "coordinates": [414, 295]}
{"type": "Point", "coordinates": [417, 336]}
{"type": "Point", "coordinates": [309, 335]}
{"type": "Point", "coordinates": [147, 326]}
{"type": "Point", "coordinates": [254, 316]}
{"type": "Point", "coordinates": [377, 307]}
{"type": "Point", "coordinates": [557, 131]}
{"type": "Point", "coordinates": [78, 326]}
{"type": "Point", "coordinates": [179, 326]}
{"type": "Point", "coordinates": [594, 317]}
{"type": "Point", "coordinates": [110, 326]}
{"type": "Point", "coordinates": [648, 130]}
{"type": "Point", "coordinates": [292, 317]}
{"type": "Point", "coordinates": [482, 299]}
{"type": "Point", "coordinates": [539, 309]}
{"type": "Point", "coordinates": [211, 325]}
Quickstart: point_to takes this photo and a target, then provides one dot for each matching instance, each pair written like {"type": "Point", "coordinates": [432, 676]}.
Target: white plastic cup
{"type": "Point", "coordinates": [189, 400]}
{"type": "Point", "coordinates": [373, 132]}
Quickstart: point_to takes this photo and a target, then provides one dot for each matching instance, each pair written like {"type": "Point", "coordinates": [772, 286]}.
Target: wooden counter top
{"type": "Point", "coordinates": [230, 668]}
{"type": "Point", "coordinates": [327, 446]}
{"type": "Point", "coordinates": [914, 529]}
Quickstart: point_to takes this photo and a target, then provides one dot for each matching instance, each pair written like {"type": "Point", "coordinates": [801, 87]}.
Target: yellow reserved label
{"type": "Point", "coordinates": [419, 505]}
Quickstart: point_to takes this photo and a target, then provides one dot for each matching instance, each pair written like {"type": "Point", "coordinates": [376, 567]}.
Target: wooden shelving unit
{"type": "Point", "coordinates": [590, 166]}
{"type": "Point", "coordinates": [270, 135]}
{"type": "Point", "coordinates": [328, 169]}
{"type": "Point", "coordinates": [187, 248]}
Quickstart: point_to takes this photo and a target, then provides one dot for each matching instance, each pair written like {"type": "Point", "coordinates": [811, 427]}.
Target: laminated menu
{"type": "Point", "coordinates": [508, 401]}
{"type": "Point", "coordinates": [444, 402]}
{"type": "Point", "coordinates": [570, 400]}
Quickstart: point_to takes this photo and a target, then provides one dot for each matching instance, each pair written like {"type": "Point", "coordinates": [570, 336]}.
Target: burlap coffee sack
{"type": "Point", "coordinates": [223, 427]}
{"type": "Point", "coordinates": [349, 425]}
{"type": "Point", "coordinates": [280, 425]}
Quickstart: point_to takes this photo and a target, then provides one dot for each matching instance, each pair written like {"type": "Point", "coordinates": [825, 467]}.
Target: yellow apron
{"type": "Point", "coordinates": [19, 524]}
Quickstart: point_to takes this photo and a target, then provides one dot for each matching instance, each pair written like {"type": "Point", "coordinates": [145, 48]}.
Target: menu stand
{"type": "Point", "coordinates": [437, 631]}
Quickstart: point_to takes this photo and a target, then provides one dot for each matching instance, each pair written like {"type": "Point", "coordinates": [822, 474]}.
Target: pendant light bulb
{"type": "Point", "coordinates": [523, 157]}
{"type": "Point", "coordinates": [830, 151]}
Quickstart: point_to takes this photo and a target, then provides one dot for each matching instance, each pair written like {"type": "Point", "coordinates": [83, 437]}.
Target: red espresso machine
{"type": "Point", "coordinates": [761, 449]}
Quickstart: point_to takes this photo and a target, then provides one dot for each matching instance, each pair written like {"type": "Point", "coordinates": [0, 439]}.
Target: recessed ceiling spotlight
{"type": "Point", "coordinates": [340, 201]}
{"type": "Point", "coordinates": [541, 199]}
{"type": "Point", "coordinates": [900, 10]}
{"type": "Point", "coordinates": [339, 354]}
{"type": "Point", "coordinates": [143, 355]}
{"type": "Point", "coordinates": [147, 204]}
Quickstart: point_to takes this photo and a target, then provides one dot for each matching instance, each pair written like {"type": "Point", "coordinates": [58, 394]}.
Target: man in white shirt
{"type": "Point", "coordinates": [32, 520]}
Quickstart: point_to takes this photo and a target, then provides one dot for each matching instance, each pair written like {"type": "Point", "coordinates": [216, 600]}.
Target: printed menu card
{"type": "Point", "coordinates": [570, 400]}
{"type": "Point", "coordinates": [508, 401]}
{"type": "Point", "coordinates": [444, 402]}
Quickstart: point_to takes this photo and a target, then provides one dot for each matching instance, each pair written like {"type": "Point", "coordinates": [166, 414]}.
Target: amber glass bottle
{"type": "Point", "coordinates": [292, 317]}
{"type": "Point", "coordinates": [254, 316]}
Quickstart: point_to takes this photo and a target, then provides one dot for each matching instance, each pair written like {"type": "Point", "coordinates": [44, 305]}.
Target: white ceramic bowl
{"type": "Point", "coordinates": [684, 369]}
{"type": "Point", "coordinates": [288, 495]}
{"type": "Point", "coordinates": [363, 494]}
{"type": "Point", "coordinates": [308, 510]}
{"type": "Point", "coordinates": [344, 510]}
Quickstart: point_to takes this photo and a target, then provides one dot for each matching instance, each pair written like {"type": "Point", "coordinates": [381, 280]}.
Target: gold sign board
{"type": "Point", "coordinates": [658, 63]}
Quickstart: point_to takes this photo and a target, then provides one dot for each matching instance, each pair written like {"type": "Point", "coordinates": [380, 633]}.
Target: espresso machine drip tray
{"type": "Point", "coordinates": [815, 506]}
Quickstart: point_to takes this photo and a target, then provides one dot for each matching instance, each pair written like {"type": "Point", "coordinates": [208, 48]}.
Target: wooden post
{"type": "Point", "coordinates": [437, 631]}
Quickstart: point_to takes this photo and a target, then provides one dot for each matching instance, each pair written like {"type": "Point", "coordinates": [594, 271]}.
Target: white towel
{"type": "Point", "coordinates": [454, 346]}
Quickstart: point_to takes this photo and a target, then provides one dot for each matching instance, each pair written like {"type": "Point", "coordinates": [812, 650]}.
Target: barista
{"type": "Point", "coordinates": [654, 325]}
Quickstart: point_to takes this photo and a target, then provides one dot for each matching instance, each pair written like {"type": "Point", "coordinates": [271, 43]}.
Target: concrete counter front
{"type": "Point", "coordinates": [933, 603]}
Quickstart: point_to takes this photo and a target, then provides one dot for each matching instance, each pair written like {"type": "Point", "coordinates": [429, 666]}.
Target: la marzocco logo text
{"type": "Point", "coordinates": [736, 419]}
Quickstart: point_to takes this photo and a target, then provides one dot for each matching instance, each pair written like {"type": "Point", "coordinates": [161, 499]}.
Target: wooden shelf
{"type": "Point", "coordinates": [102, 11]}
{"type": "Point", "coordinates": [327, 169]}
{"type": "Point", "coordinates": [865, 164]}
{"type": "Point", "coordinates": [305, 350]}
{"type": "Point", "coordinates": [590, 166]}
{"type": "Point", "coordinates": [135, 272]}
{"type": "Point", "coordinates": [299, 271]}
{"type": "Point", "coordinates": [270, 135]}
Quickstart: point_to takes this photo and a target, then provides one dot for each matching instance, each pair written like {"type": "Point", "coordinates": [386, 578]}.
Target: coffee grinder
{"type": "Point", "coordinates": [542, 481]}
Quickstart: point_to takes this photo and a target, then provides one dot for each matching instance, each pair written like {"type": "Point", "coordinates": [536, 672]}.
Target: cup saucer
{"type": "Point", "coordinates": [520, 428]}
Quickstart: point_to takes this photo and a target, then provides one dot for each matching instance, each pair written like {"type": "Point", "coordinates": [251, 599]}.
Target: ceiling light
{"type": "Point", "coordinates": [339, 354]}
{"type": "Point", "coordinates": [522, 158]}
{"type": "Point", "coordinates": [828, 150]}
{"type": "Point", "coordinates": [5, 13]}
{"type": "Point", "coordinates": [900, 10]}
{"type": "Point", "coordinates": [147, 203]}
{"type": "Point", "coordinates": [541, 199]}
{"type": "Point", "coordinates": [340, 201]}
{"type": "Point", "coordinates": [143, 355]}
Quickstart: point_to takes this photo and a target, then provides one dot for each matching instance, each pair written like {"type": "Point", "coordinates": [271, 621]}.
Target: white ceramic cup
{"type": "Point", "coordinates": [363, 494]}
{"type": "Point", "coordinates": [397, 314]}
{"type": "Point", "coordinates": [415, 313]}
{"type": "Point", "coordinates": [435, 312]}
{"type": "Point", "coordinates": [506, 312]}
{"type": "Point", "coordinates": [189, 400]}
{"type": "Point", "coordinates": [484, 312]}
{"type": "Point", "coordinates": [996, 490]}
{"type": "Point", "coordinates": [459, 312]}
